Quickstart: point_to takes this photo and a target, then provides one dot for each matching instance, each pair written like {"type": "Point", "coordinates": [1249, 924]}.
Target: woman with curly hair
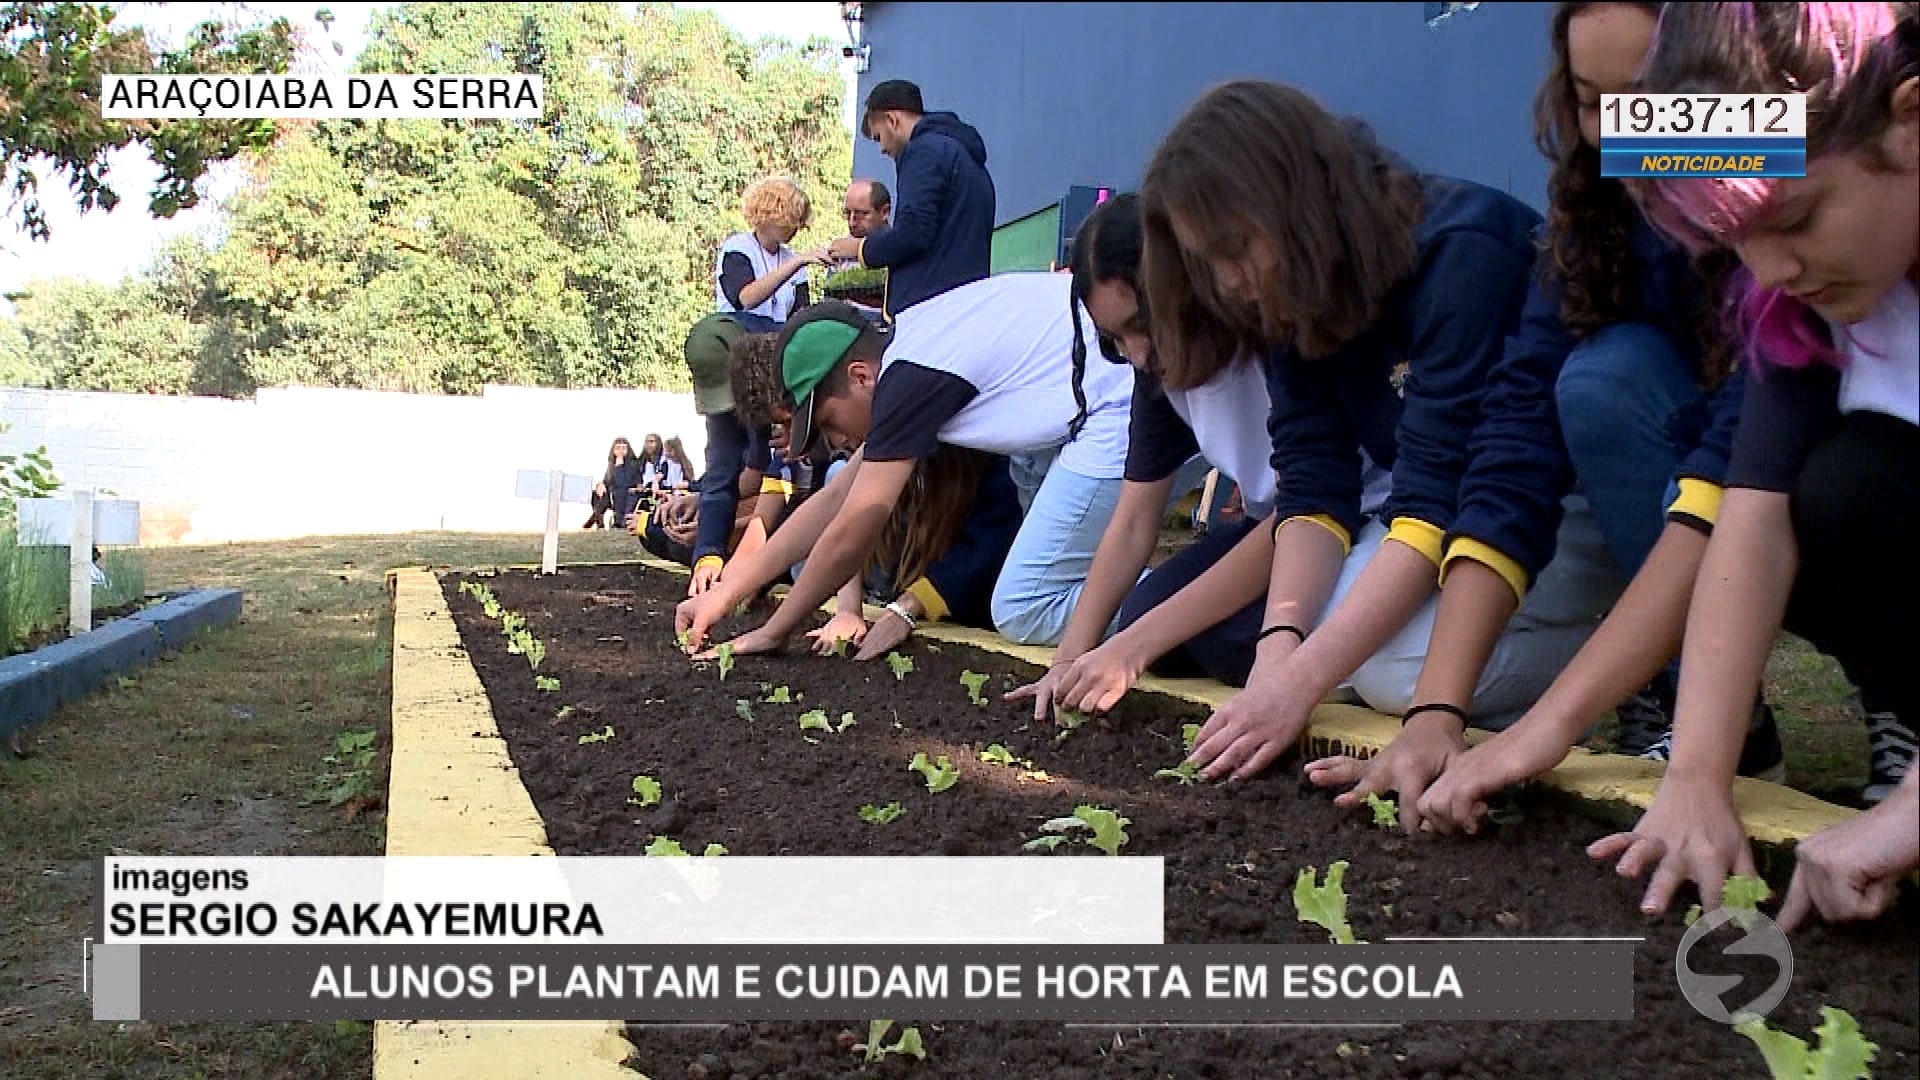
{"type": "Point", "coordinates": [1649, 399]}
{"type": "Point", "coordinates": [757, 273]}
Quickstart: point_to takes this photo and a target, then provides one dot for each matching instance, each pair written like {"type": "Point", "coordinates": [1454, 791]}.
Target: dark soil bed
{"type": "Point", "coordinates": [1231, 853]}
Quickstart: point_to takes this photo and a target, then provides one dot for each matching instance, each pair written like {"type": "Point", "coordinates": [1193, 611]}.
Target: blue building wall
{"type": "Point", "coordinates": [1081, 93]}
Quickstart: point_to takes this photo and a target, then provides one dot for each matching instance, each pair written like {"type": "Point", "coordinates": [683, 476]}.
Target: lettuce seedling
{"type": "Point", "coordinates": [546, 683]}
{"type": "Point", "coordinates": [1070, 721]}
{"type": "Point", "coordinates": [1000, 755]}
{"type": "Point", "coordinates": [973, 681]}
{"type": "Point", "coordinates": [1842, 1053]}
{"type": "Point", "coordinates": [902, 666]}
{"type": "Point", "coordinates": [939, 775]}
{"type": "Point", "coordinates": [565, 711]}
{"type": "Point", "coordinates": [597, 736]}
{"type": "Point", "coordinates": [1325, 906]}
{"type": "Point", "coordinates": [725, 655]}
{"type": "Point", "coordinates": [743, 708]}
{"type": "Point", "coordinates": [846, 721]}
{"type": "Point", "coordinates": [838, 648]}
{"type": "Point", "coordinates": [815, 720]}
{"type": "Point", "coordinates": [1108, 828]}
{"type": "Point", "coordinates": [780, 696]}
{"type": "Point", "coordinates": [1742, 897]}
{"type": "Point", "coordinates": [1386, 812]}
{"type": "Point", "coordinates": [646, 791]}
{"type": "Point", "coordinates": [683, 637]}
{"type": "Point", "coordinates": [1044, 843]}
{"type": "Point", "coordinates": [512, 621]}
{"type": "Point", "coordinates": [907, 1045]}
{"type": "Point", "coordinates": [1186, 773]}
{"type": "Point", "coordinates": [667, 847]}
{"type": "Point", "coordinates": [881, 815]}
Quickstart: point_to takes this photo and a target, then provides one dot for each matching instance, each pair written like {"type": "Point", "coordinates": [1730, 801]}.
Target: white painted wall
{"type": "Point", "coordinates": [313, 462]}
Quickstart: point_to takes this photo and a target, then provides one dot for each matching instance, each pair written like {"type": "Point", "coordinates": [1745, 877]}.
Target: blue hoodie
{"type": "Point", "coordinates": [942, 231]}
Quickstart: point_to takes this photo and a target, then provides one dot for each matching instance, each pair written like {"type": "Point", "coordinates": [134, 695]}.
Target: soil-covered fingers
{"type": "Point", "coordinates": [1041, 692]}
{"type": "Point", "coordinates": [1338, 771]}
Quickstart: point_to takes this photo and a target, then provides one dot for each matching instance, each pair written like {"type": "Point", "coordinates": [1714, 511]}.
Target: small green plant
{"type": "Point", "coordinates": [600, 736]}
{"type": "Point", "coordinates": [939, 774]}
{"type": "Point", "coordinates": [492, 609]}
{"type": "Point", "coordinates": [1070, 721]}
{"type": "Point", "coordinates": [881, 815]}
{"type": "Point", "coordinates": [1742, 897]}
{"type": "Point", "coordinates": [973, 681]}
{"type": "Point", "coordinates": [743, 607]}
{"type": "Point", "coordinates": [666, 847]}
{"type": "Point", "coordinates": [743, 708]}
{"type": "Point", "coordinates": [1842, 1053]}
{"type": "Point", "coordinates": [1108, 829]}
{"type": "Point", "coordinates": [646, 791]}
{"type": "Point", "coordinates": [846, 721]}
{"type": "Point", "coordinates": [907, 1045]}
{"type": "Point", "coordinates": [565, 711]}
{"type": "Point", "coordinates": [780, 696]}
{"type": "Point", "coordinates": [725, 655]}
{"type": "Point", "coordinates": [902, 666]}
{"type": "Point", "coordinates": [683, 637]}
{"type": "Point", "coordinates": [1186, 772]}
{"type": "Point", "coordinates": [546, 683]}
{"type": "Point", "coordinates": [1000, 755]}
{"type": "Point", "coordinates": [536, 651]}
{"type": "Point", "coordinates": [1325, 905]}
{"type": "Point", "coordinates": [838, 648]}
{"type": "Point", "coordinates": [512, 622]}
{"type": "Point", "coordinates": [1386, 812]}
{"type": "Point", "coordinates": [815, 720]}
{"type": "Point", "coordinates": [351, 775]}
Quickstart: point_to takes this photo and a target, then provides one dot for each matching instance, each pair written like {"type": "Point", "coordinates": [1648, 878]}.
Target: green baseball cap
{"type": "Point", "coordinates": [706, 350]}
{"type": "Point", "coordinates": [812, 352]}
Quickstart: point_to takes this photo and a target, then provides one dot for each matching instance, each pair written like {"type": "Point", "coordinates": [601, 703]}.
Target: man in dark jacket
{"type": "Point", "coordinates": [942, 231]}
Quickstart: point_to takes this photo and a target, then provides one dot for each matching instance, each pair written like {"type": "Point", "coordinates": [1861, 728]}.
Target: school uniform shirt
{"type": "Point", "coordinates": [1224, 421]}
{"type": "Point", "coordinates": [1424, 391]}
{"type": "Point", "coordinates": [742, 262]}
{"type": "Point", "coordinates": [989, 366]}
{"type": "Point", "coordinates": [1790, 411]}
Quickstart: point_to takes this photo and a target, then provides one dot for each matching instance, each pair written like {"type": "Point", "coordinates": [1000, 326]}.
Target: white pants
{"type": "Point", "coordinates": [1560, 612]}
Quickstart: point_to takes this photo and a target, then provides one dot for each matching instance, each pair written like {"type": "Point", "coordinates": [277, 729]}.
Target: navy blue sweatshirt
{"type": "Point", "coordinates": [1473, 442]}
{"type": "Point", "coordinates": [942, 230]}
{"type": "Point", "coordinates": [962, 578]}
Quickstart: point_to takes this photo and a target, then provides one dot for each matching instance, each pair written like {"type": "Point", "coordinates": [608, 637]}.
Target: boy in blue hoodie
{"type": "Point", "coordinates": [942, 230]}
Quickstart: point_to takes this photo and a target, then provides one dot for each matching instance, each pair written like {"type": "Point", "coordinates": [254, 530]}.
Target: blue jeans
{"type": "Point", "coordinates": [1630, 412]}
{"type": "Point", "coordinates": [1046, 570]}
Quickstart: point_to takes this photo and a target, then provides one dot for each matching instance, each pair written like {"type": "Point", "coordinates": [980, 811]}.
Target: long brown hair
{"type": "Point", "coordinates": [932, 511]}
{"type": "Point", "coordinates": [1264, 159]}
{"type": "Point", "coordinates": [1590, 217]}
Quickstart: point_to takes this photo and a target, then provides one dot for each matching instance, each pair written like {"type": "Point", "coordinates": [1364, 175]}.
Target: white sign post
{"type": "Point", "coordinates": [556, 487]}
{"type": "Point", "coordinates": [85, 521]}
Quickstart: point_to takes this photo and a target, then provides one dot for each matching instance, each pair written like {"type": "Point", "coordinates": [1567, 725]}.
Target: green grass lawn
{"type": "Point", "coordinates": [218, 751]}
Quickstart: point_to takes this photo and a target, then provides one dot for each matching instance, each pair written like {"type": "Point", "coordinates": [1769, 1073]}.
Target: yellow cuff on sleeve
{"type": "Point", "coordinates": [1490, 557]}
{"type": "Point", "coordinates": [930, 599]}
{"type": "Point", "coordinates": [1422, 537]}
{"type": "Point", "coordinates": [1326, 522]}
{"type": "Point", "coordinates": [716, 561]}
{"type": "Point", "coordinates": [1699, 499]}
{"type": "Point", "coordinates": [860, 254]}
{"type": "Point", "coordinates": [773, 485]}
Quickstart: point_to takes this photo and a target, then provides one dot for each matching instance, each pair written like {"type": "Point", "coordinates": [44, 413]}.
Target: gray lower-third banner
{"type": "Point", "coordinates": [1190, 984]}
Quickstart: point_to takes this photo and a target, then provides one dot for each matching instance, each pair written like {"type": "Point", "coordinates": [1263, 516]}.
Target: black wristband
{"type": "Point", "coordinates": [1451, 710]}
{"type": "Point", "coordinates": [1281, 629]}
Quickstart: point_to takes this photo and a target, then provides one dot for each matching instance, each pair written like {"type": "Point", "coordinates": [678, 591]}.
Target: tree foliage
{"type": "Point", "coordinates": [573, 250]}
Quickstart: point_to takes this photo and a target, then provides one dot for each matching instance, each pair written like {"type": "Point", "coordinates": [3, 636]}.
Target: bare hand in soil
{"type": "Point", "coordinates": [886, 635]}
{"type": "Point", "coordinates": [1249, 733]}
{"type": "Point", "coordinates": [1458, 799]}
{"type": "Point", "coordinates": [1043, 692]}
{"type": "Point", "coordinates": [1096, 682]}
{"type": "Point", "coordinates": [693, 619]}
{"type": "Point", "coordinates": [1409, 763]}
{"type": "Point", "coordinates": [1689, 834]}
{"type": "Point", "coordinates": [705, 576]}
{"type": "Point", "coordinates": [1852, 870]}
{"type": "Point", "coordinates": [751, 643]}
{"type": "Point", "coordinates": [842, 627]}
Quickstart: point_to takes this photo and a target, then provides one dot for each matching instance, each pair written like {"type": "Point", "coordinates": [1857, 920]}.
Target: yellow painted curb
{"type": "Point", "coordinates": [453, 790]}
{"type": "Point", "coordinates": [1772, 813]}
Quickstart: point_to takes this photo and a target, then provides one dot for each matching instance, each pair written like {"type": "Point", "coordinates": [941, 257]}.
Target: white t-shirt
{"type": "Point", "coordinates": [1883, 357]}
{"type": "Point", "coordinates": [777, 306]}
{"type": "Point", "coordinates": [989, 366]}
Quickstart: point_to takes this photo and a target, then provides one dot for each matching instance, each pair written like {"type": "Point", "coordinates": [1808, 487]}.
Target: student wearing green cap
{"type": "Point", "coordinates": [986, 366]}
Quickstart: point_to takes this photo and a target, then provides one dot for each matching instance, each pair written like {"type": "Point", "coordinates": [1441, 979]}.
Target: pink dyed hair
{"type": "Point", "coordinates": [1846, 58]}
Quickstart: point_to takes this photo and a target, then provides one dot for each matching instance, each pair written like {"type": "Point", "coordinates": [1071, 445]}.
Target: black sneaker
{"type": "Point", "coordinates": [1890, 751]}
{"type": "Point", "coordinates": [1760, 756]}
{"type": "Point", "coordinates": [1646, 718]}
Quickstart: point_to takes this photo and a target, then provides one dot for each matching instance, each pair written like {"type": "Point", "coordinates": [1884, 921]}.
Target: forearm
{"type": "Point", "coordinates": [1638, 638]}
{"type": "Point", "coordinates": [1739, 601]}
{"type": "Point", "coordinates": [1475, 605]}
{"type": "Point", "coordinates": [756, 291]}
{"type": "Point", "coordinates": [767, 508]}
{"type": "Point", "coordinates": [1238, 579]}
{"type": "Point", "coordinates": [851, 600]}
{"type": "Point", "coordinates": [1396, 581]}
{"type": "Point", "coordinates": [747, 575]}
{"type": "Point", "coordinates": [839, 554]}
{"type": "Point", "coordinates": [1122, 554]}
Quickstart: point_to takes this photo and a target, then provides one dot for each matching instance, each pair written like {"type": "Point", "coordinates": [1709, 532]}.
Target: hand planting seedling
{"type": "Point", "coordinates": [684, 637]}
{"type": "Point", "coordinates": [725, 655]}
{"type": "Point", "coordinates": [973, 681]}
{"type": "Point", "coordinates": [939, 775]}
{"type": "Point", "coordinates": [902, 666]}
{"type": "Point", "coordinates": [1742, 898]}
{"type": "Point", "coordinates": [597, 736]}
{"type": "Point", "coordinates": [1108, 829]}
{"type": "Point", "coordinates": [780, 696]}
{"type": "Point", "coordinates": [646, 791]}
{"type": "Point", "coordinates": [1186, 772]}
{"type": "Point", "coordinates": [1386, 812]}
{"type": "Point", "coordinates": [815, 720]}
{"type": "Point", "coordinates": [907, 1045]}
{"type": "Point", "coordinates": [1325, 906]}
{"type": "Point", "coordinates": [743, 708]}
{"type": "Point", "coordinates": [1843, 1053]}
{"type": "Point", "coordinates": [838, 648]}
{"type": "Point", "coordinates": [881, 815]}
{"type": "Point", "coordinates": [546, 683]}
